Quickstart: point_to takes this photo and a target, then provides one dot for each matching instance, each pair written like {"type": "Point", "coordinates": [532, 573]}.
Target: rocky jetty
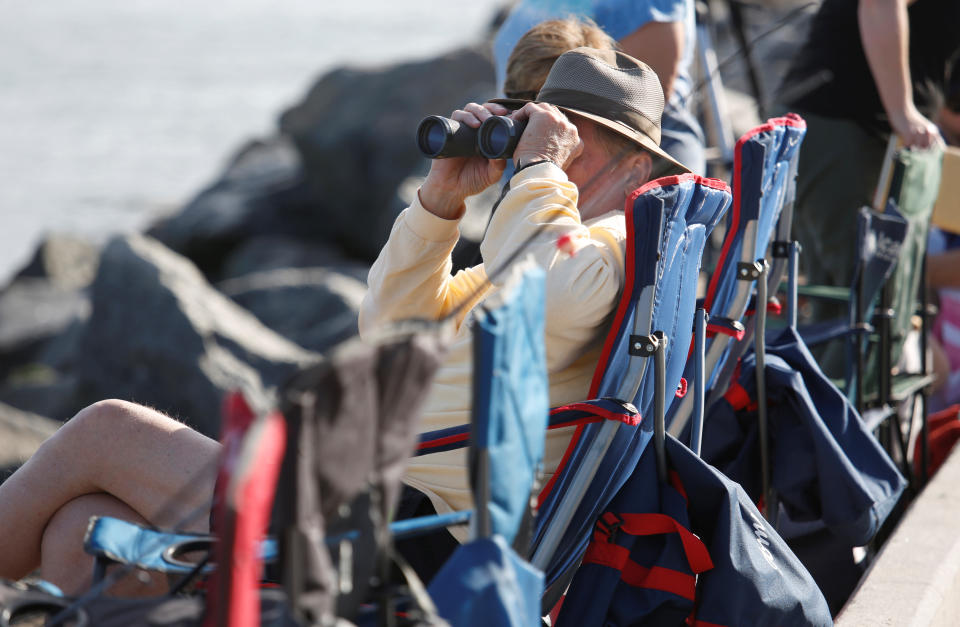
{"type": "Point", "coordinates": [255, 277]}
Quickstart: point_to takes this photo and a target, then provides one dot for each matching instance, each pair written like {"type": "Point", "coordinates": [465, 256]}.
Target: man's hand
{"type": "Point", "coordinates": [915, 130]}
{"type": "Point", "coordinates": [549, 135]}
{"type": "Point", "coordinates": [452, 180]}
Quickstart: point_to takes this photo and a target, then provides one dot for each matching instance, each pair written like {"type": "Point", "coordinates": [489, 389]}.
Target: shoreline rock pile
{"type": "Point", "coordinates": [255, 277]}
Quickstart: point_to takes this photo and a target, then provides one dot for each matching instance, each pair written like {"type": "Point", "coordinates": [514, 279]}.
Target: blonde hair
{"type": "Point", "coordinates": [534, 54]}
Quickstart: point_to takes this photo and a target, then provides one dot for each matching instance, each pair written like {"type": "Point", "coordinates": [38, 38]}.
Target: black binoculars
{"type": "Point", "coordinates": [497, 137]}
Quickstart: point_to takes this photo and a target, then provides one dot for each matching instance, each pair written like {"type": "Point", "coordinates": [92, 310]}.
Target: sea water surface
{"type": "Point", "coordinates": [113, 112]}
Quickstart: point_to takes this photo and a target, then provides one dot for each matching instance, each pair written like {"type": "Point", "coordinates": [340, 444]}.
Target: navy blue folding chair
{"type": "Point", "coordinates": [765, 162]}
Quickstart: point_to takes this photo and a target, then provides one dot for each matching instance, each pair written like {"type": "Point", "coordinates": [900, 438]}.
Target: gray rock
{"type": "Point", "coordinates": [355, 134]}
{"type": "Point", "coordinates": [65, 260]}
{"type": "Point", "coordinates": [20, 435]}
{"type": "Point", "coordinates": [160, 334]}
{"type": "Point", "coordinates": [37, 389]}
{"type": "Point", "coordinates": [32, 311]}
{"type": "Point", "coordinates": [276, 252]}
{"type": "Point", "coordinates": [314, 307]}
{"type": "Point", "coordinates": [261, 192]}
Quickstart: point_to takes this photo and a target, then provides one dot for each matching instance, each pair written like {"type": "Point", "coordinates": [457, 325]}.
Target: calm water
{"type": "Point", "coordinates": [113, 111]}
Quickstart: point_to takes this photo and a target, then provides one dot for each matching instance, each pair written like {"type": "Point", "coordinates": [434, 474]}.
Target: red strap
{"type": "Point", "coordinates": [713, 329]}
{"type": "Point", "coordinates": [693, 622]}
{"type": "Point", "coordinates": [677, 484]}
{"type": "Point", "coordinates": [659, 578]}
{"type": "Point", "coordinates": [737, 396]}
{"type": "Point", "coordinates": [773, 306]}
{"type": "Point", "coordinates": [652, 524]}
{"type": "Point", "coordinates": [682, 388]}
{"type": "Point", "coordinates": [655, 578]}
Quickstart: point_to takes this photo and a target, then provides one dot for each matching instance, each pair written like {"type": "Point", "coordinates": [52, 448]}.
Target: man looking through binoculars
{"type": "Point", "coordinates": [591, 138]}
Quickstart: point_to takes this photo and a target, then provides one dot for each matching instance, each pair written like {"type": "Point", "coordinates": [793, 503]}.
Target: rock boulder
{"type": "Point", "coordinates": [160, 334]}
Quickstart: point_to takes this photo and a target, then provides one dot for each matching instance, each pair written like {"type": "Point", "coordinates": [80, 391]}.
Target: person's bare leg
{"type": "Point", "coordinates": [161, 469]}
{"type": "Point", "coordinates": [64, 562]}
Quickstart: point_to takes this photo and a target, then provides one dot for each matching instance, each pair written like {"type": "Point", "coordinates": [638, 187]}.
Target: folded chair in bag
{"type": "Point", "coordinates": [765, 162]}
{"type": "Point", "coordinates": [825, 464]}
{"type": "Point", "coordinates": [690, 548]}
{"type": "Point", "coordinates": [486, 582]}
{"type": "Point", "coordinates": [667, 221]}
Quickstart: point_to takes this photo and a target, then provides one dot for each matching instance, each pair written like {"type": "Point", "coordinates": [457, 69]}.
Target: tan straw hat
{"type": "Point", "coordinates": [613, 90]}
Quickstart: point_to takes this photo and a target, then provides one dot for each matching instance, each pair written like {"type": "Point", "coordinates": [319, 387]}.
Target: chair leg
{"type": "Point", "coordinates": [100, 565]}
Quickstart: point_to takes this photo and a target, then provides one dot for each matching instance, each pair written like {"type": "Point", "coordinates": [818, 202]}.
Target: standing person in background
{"type": "Point", "coordinates": [661, 33]}
{"type": "Point", "coordinates": [534, 53]}
{"type": "Point", "coordinates": [869, 68]}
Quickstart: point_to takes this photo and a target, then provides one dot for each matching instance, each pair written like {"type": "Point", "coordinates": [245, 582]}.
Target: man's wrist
{"type": "Point", "coordinates": [523, 164]}
{"type": "Point", "coordinates": [446, 206]}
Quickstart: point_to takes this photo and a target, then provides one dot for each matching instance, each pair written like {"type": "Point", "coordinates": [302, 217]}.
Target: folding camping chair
{"type": "Point", "coordinates": [361, 402]}
{"type": "Point", "coordinates": [485, 581]}
{"type": "Point", "coordinates": [909, 181]}
{"type": "Point", "coordinates": [668, 221]}
{"type": "Point", "coordinates": [765, 162]}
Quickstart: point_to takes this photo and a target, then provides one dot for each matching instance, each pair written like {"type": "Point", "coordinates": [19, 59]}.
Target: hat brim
{"type": "Point", "coordinates": [664, 164]}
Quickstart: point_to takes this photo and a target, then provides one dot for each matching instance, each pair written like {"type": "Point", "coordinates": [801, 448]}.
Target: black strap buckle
{"type": "Point", "coordinates": [609, 529]}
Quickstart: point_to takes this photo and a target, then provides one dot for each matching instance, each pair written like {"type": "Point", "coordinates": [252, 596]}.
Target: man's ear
{"type": "Point", "coordinates": [641, 168]}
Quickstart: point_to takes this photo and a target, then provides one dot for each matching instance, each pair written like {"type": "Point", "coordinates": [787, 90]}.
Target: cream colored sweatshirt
{"type": "Point", "coordinates": [411, 279]}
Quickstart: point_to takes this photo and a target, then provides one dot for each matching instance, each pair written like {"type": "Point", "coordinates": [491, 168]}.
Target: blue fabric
{"type": "Point", "coordinates": [764, 161]}
{"type": "Point", "coordinates": [682, 137]}
{"type": "Point", "coordinates": [485, 584]}
{"type": "Point", "coordinates": [752, 579]}
{"type": "Point", "coordinates": [511, 398]}
{"type": "Point", "coordinates": [825, 465]}
{"type": "Point", "coordinates": [881, 237]}
{"type": "Point", "coordinates": [129, 543]}
{"type": "Point", "coordinates": [667, 227]}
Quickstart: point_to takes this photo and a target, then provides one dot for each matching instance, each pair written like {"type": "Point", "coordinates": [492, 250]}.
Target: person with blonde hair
{"type": "Point", "coordinates": [535, 52]}
{"type": "Point", "coordinates": [661, 33]}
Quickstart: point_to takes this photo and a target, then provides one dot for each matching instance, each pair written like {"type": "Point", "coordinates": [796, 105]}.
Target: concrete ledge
{"type": "Point", "coordinates": [915, 580]}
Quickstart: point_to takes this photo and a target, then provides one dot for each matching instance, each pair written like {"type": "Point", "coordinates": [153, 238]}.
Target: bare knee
{"type": "Point", "coordinates": [107, 415]}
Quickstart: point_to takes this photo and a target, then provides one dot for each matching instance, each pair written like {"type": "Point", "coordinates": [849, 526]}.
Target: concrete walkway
{"type": "Point", "coordinates": [916, 578]}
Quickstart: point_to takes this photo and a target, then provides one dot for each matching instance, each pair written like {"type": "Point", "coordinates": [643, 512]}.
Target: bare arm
{"type": "Point", "coordinates": [884, 30]}
{"type": "Point", "coordinates": [659, 45]}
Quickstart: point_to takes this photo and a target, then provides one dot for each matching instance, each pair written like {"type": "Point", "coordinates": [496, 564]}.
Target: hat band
{"type": "Point", "coordinates": [603, 107]}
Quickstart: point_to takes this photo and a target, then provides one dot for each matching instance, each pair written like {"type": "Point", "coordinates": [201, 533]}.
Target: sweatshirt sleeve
{"type": "Point", "coordinates": [582, 288]}
{"type": "Point", "coordinates": [411, 276]}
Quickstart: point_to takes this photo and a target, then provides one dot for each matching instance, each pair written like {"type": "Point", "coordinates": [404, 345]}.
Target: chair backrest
{"type": "Point", "coordinates": [765, 163]}
{"type": "Point", "coordinates": [668, 221]}
{"type": "Point", "coordinates": [914, 187]}
{"type": "Point", "coordinates": [242, 517]}
{"type": "Point", "coordinates": [351, 427]}
{"type": "Point", "coordinates": [510, 403]}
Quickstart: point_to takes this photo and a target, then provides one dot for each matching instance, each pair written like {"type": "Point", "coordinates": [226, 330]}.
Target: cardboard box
{"type": "Point", "coordinates": [946, 211]}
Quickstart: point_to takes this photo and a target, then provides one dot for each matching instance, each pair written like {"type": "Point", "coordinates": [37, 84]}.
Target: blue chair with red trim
{"type": "Point", "coordinates": [668, 222]}
{"type": "Point", "coordinates": [765, 162]}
